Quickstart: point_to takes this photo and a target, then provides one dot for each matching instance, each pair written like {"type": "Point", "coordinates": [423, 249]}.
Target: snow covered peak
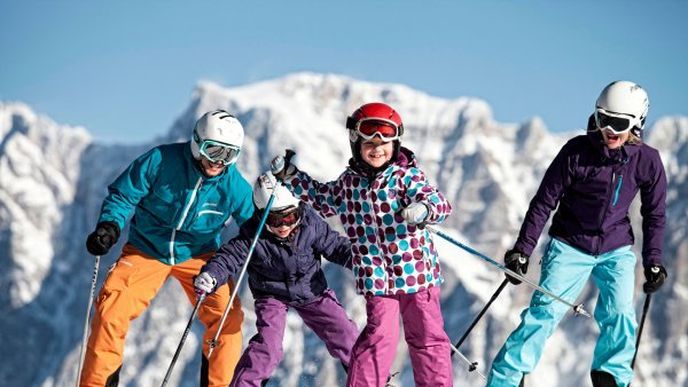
{"type": "Point", "coordinates": [39, 168]}
{"type": "Point", "coordinates": [335, 96]}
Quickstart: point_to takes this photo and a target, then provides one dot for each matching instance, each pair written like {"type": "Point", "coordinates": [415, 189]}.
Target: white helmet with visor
{"type": "Point", "coordinates": [621, 106]}
{"type": "Point", "coordinates": [285, 209]}
{"type": "Point", "coordinates": [263, 189]}
{"type": "Point", "coordinates": [217, 136]}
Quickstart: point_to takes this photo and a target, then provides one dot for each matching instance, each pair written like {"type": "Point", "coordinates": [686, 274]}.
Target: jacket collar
{"type": "Point", "coordinates": [405, 158]}
{"type": "Point", "coordinates": [613, 156]}
{"type": "Point", "coordinates": [196, 167]}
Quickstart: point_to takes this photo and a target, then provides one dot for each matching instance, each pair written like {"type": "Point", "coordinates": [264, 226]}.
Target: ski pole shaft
{"type": "Point", "coordinates": [480, 315]}
{"type": "Point", "coordinates": [577, 309]}
{"type": "Point", "coordinates": [84, 338]}
{"type": "Point", "coordinates": [472, 366]}
{"type": "Point", "coordinates": [213, 343]}
{"type": "Point", "coordinates": [646, 307]}
{"type": "Point", "coordinates": [181, 342]}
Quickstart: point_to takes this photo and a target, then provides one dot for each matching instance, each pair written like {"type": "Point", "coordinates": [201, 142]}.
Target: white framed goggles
{"type": "Point", "coordinates": [367, 128]}
{"type": "Point", "coordinates": [617, 123]}
{"type": "Point", "coordinates": [218, 152]}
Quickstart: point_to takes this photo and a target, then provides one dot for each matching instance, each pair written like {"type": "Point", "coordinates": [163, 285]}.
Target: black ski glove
{"type": "Point", "coordinates": [654, 276]}
{"type": "Point", "coordinates": [516, 261]}
{"type": "Point", "coordinates": [103, 238]}
{"type": "Point", "coordinates": [282, 167]}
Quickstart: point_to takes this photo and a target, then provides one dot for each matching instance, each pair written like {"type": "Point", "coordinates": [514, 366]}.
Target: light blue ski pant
{"type": "Point", "coordinates": [565, 270]}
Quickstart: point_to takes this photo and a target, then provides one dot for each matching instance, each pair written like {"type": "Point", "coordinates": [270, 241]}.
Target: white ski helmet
{"type": "Point", "coordinates": [215, 127]}
{"type": "Point", "coordinates": [265, 185]}
{"type": "Point", "coordinates": [625, 102]}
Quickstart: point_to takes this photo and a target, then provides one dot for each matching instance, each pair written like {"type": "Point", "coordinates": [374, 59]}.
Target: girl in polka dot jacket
{"type": "Point", "coordinates": [383, 201]}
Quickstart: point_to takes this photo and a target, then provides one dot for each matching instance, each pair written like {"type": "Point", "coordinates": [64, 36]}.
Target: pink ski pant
{"type": "Point", "coordinates": [428, 344]}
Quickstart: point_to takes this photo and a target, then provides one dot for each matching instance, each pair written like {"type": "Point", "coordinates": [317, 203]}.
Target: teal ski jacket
{"type": "Point", "coordinates": [177, 211]}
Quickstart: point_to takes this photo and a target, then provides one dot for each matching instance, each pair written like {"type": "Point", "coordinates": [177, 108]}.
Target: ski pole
{"type": "Point", "coordinates": [577, 309]}
{"type": "Point", "coordinates": [181, 342]}
{"type": "Point", "coordinates": [472, 366]}
{"type": "Point", "coordinates": [480, 315]}
{"type": "Point", "coordinates": [646, 307]}
{"type": "Point", "coordinates": [84, 339]}
{"type": "Point", "coordinates": [213, 343]}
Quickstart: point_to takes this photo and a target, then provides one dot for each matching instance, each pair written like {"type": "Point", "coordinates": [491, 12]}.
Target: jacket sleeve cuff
{"type": "Point", "coordinates": [214, 272]}
{"type": "Point", "coordinates": [651, 261]}
{"type": "Point", "coordinates": [524, 248]}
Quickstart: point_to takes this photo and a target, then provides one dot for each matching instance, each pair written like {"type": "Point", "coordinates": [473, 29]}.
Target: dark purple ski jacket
{"type": "Point", "coordinates": [594, 187]}
{"type": "Point", "coordinates": [287, 270]}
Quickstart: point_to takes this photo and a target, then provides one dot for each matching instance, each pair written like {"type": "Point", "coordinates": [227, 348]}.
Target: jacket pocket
{"type": "Point", "coordinates": [303, 263]}
{"type": "Point", "coordinates": [119, 277]}
{"type": "Point", "coordinates": [162, 205]}
{"type": "Point", "coordinates": [208, 221]}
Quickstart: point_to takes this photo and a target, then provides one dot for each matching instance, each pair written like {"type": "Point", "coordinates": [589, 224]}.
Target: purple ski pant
{"type": "Point", "coordinates": [427, 341]}
{"type": "Point", "coordinates": [324, 315]}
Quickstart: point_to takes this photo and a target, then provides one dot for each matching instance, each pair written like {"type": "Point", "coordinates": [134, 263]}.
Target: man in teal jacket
{"type": "Point", "coordinates": [179, 197]}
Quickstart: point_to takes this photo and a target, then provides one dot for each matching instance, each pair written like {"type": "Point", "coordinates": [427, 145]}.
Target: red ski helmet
{"type": "Point", "coordinates": [376, 113]}
{"type": "Point", "coordinates": [374, 119]}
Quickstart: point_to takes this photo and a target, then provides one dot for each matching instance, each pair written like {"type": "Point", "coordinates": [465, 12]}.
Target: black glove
{"type": "Point", "coordinates": [282, 167]}
{"type": "Point", "coordinates": [516, 261]}
{"type": "Point", "coordinates": [101, 240]}
{"type": "Point", "coordinates": [654, 276]}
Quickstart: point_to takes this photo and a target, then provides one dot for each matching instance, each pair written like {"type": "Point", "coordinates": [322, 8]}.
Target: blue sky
{"type": "Point", "coordinates": [126, 69]}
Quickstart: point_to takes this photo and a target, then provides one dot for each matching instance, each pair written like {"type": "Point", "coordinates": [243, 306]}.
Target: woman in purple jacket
{"type": "Point", "coordinates": [284, 272]}
{"type": "Point", "coordinates": [593, 181]}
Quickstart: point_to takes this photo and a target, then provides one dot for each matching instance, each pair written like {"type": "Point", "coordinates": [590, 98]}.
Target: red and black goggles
{"type": "Point", "coordinates": [288, 217]}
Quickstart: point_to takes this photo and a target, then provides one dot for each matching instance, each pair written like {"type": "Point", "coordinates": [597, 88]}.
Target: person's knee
{"type": "Point", "coordinates": [615, 315]}
{"type": "Point", "coordinates": [233, 322]}
{"type": "Point", "coordinates": [546, 311]}
{"type": "Point", "coordinates": [427, 338]}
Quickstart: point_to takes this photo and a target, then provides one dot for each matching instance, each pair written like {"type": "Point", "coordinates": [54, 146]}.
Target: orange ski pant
{"type": "Point", "coordinates": [128, 290]}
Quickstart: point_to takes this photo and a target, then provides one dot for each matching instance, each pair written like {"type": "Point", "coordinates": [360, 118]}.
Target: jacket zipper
{"type": "Point", "coordinates": [184, 215]}
{"type": "Point", "coordinates": [377, 228]}
{"type": "Point", "coordinates": [617, 190]}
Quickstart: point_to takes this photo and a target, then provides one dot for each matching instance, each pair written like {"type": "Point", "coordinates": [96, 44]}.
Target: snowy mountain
{"type": "Point", "coordinates": [53, 179]}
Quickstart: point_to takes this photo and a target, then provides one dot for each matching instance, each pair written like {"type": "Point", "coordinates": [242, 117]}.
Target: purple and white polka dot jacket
{"type": "Point", "coordinates": [389, 255]}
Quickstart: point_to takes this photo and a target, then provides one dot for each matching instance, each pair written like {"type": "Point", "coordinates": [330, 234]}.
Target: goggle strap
{"type": "Point", "coordinates": [223, 114]}
{"type": "Point", "coordinates": [350, 123]}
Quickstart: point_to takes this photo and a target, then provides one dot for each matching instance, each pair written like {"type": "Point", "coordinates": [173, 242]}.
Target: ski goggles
{"type": "Point", "coordinates": [387, 130]}
{"type": "Point", "coordinates": [288, 217]}
{"type": "Point", "coordinates": [615, 122]}
{"type": "Point", "coordinates": [217, 152]}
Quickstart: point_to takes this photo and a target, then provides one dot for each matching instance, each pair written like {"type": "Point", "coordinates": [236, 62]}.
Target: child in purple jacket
{"type": "Point", "coordinates": [284, 272]}
{"type": "Point", "coordinates": [591, 183]}
{"type": "Point", "coordinates": [382, 200]}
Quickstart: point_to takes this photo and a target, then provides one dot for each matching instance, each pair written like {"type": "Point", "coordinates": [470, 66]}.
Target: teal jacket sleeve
{"type": "Point", "coordinates": [129, 188]}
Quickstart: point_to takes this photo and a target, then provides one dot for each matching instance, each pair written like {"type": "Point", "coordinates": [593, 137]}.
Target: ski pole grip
{"type": "Point", "coordinates": [655, 269]}
{"type": "Point", "coordinates": [522, 260]}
